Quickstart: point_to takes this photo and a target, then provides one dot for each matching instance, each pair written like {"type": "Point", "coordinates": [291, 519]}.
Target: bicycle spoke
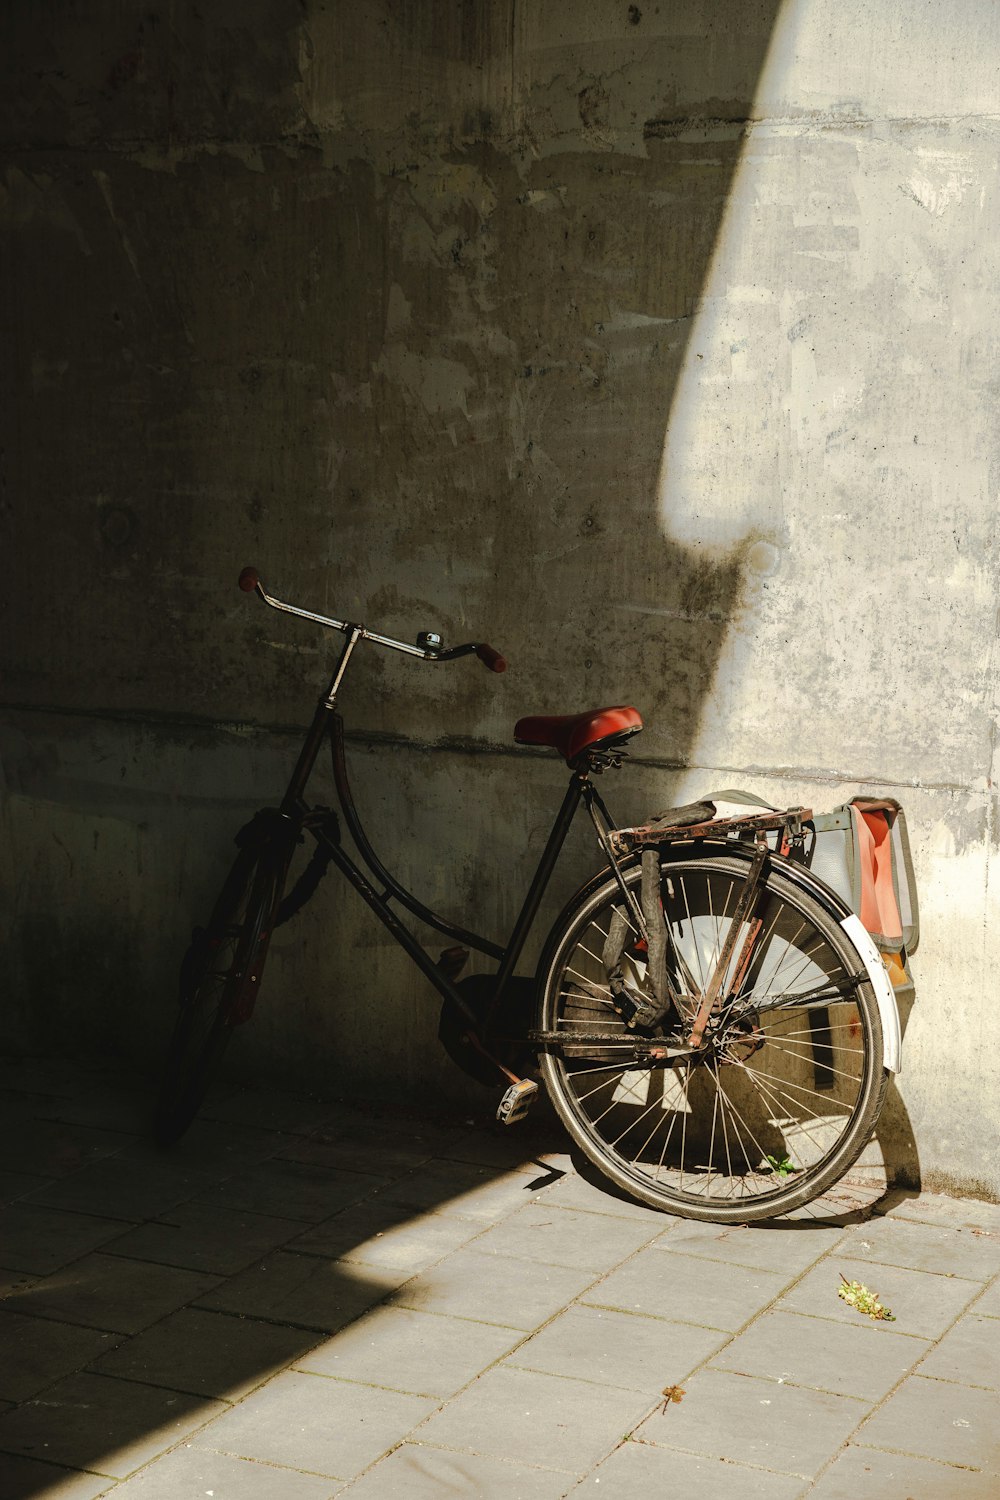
{"type": "Point", "coordinates": [801, 1128]}
{"type": "Point", "coordinates": [751, 1170]}
{"type": "Point", "coordinates": [801, 1056]}
{"type": "Point", "coordinates": [789, 1083]}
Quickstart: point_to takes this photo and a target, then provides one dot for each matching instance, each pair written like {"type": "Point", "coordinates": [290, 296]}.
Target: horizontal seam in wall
{"type": "Point", "coordinates": [651, 129]}
{"type": "Point", "coordinates": [464, 745]}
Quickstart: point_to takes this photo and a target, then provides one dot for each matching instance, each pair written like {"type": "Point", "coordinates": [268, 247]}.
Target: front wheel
{"type": "Point", "coordinates": [786, 1089]}
{"type": "Point", "coordinates": [220, 977]}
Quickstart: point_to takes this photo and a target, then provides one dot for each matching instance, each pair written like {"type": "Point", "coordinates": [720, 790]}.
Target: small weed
{"type": "Point", "coordinates": [856, 1295]}
{"type": "Point", "coordinates": [782, 1166]}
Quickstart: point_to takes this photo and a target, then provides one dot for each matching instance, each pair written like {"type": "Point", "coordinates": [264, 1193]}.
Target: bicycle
{"type": "Point", "coordinates": [714, 1027]}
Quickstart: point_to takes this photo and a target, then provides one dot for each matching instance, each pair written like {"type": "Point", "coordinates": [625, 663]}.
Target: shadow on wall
{"type": "Point", "coordinates": [394, 306]}
{"type": "Point", "coordinates": [401, 324]}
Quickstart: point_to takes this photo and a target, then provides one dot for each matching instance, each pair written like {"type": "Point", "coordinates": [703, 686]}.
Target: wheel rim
{"type": "Point", "coordinates": [231, 957]}
{"type": "Point", "coordinates": [771, 1110]}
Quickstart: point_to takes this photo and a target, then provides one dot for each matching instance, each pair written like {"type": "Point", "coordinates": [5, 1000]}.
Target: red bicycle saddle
{"type": "Point", "coordinates": [571, 734]}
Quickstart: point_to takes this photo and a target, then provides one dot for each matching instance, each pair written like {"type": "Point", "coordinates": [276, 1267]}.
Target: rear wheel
{"type": "Point", "coordinates": [785, 1091]}
{"type": "Point", "coordinates": [220, 976]}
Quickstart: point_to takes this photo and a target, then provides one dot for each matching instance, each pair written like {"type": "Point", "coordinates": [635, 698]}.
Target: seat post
{"type": "Point", "coordinates": [578, 782]}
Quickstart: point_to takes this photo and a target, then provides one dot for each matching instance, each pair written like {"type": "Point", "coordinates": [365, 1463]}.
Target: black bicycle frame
{"type": "Point", "coordinates": [326, 721]}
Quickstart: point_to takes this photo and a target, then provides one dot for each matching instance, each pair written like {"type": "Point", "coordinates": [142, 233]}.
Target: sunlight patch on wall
{"type": "Point", "coordinates": [831, 427]}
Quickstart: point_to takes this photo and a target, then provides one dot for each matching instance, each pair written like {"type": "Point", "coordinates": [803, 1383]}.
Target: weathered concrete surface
{"type": "Point", "coordinates": [654, 346]}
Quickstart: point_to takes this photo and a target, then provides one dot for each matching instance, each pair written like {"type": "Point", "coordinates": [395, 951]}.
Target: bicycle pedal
{"type": "Point", "coordinates": [517, 1101]}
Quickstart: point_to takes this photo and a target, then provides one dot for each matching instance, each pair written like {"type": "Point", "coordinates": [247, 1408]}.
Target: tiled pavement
{"type": "Point", "coordinates": [305, 1300]}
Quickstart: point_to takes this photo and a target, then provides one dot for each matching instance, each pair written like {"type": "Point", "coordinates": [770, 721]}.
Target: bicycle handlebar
{"type": "Point", "coordinates": [249, 582]}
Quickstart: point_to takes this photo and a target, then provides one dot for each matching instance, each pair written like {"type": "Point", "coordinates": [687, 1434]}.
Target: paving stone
{"type": "Point", "coordinates": [123, 1187]}
{"type": "Point", "coordinates": [14, 1185]}
{"type": "Point", "coordinates": [37, 1352]}
{"type": "Point", "coordinates": [493, 1289]}
{"type": "Point", "coordinates": [107, 1106]}
{"type": "Point", "coordinates": [52, 1149]}
{"type": "Point", "coordinates": [540, 1145]}
{"type": "Point", "coordinates": [573, 1191]}
{"type": "Point", "coordinates": [944, 1248]}
{"type": "Point", "coordinates": [311, 1422]}
{"type": "Point", "coordinates": [54, 1078]}
{"type": "Point", "coordinates": [864, 1359]}
{"type": "Point", "coordinates": [208, 1237]}
{"type": "Point", "coordinates": [685, 1289]}
{"type": "Point", "coordinates": [92, 1422]}
{"type": "Point", "coordinates": [936, 1419]}
{"type": "Point", "coordinates": [384, 1146]}
{"type": "Point", "coordinates": [988, 1305]}
{"type": "Point", "coordinates": [969, 1353]}
{"type": "Point", "coordinates": [563, 1237]}
{"type": "Point", "coordinates": [617, 1349]}
{"type": "Point", "coordinates": [788, 1249]}
{"type": "Point", "coordinates": [756, 1422]}
{"type": "Point", "coordinates": [294, 1190]}
{"type": "Point", "coordinates": [345, 1154]}
{"type": "Point", "coordinates": [418, 1472]}
{"type": "Point", "coordinates": [459, 1188]}
{"type": "Point", "coordinates": [865, 1474]}
{"type": "Point", "coordinates": [268, 1109]}
{"type": "Point", "coordinates": [303, 1290]}
{"type": "Point", "coordinates": [190, 1473]}
{"type": "Point", "coordinates": [636, 1469]}
{"type": "Point", "coordinates": [936, 1208]}
{"type": "Point", "coordinates": [46, 1076]}
{"type": "Point", "coordinates": [40, 1240]}
{"type": "Point", "coordinates": [423, 1353]}
{"type": "Point", "coordinates": [544, 1419]}
{"type": "Point", "coordinates": [225, 1147]}
{"type": "Point", "coordinates": [921, 1302]}
{"type": "Point", "coordinates": [379, 1233]}
{"type": "Point", "coordinates": [207, 1353]}
{"type": "Point", "coordinates": [110, 1292]}
{"type": "Point", "coordinates": [15, 1283]}
{"type": "Point", "coordinates": [26, 1479]}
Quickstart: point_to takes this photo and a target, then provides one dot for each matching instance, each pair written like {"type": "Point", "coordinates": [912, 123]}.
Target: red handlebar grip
{"type": "Point", "coordinates": [491, 658]}
{"type": "Point", "coordinates": [249, 580]}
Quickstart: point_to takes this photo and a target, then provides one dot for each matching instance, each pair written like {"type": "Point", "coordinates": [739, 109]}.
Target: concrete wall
{"type": "Point", "coordinates": [653, 345]}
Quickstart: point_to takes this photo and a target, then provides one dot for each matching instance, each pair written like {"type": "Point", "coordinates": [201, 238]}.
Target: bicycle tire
{"type": "Point", "coordinates": [741, 1130]}
{"type": "Point", "coordinates": [220, 977]}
